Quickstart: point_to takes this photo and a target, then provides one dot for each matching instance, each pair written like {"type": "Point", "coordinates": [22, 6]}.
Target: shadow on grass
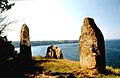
{"type": "Point", "coordinates": [69, 75]}
{"type": "Point", "coordinates": [62, 75]}
{"type": "Point", "coordinates": [108, 72]}
{"type": "Point", "coordinates": [10, 70]}
{"type": "Point", "coordinates": [19, 69]}
{"type": "Point", "coordinates": [43, 61]}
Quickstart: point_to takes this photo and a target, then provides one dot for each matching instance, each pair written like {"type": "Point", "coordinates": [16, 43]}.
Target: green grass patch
{"type": "Point", "coordinates": [66, 68]}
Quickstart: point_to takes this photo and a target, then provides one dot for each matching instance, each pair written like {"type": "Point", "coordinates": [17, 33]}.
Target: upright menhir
{"type": "Point", "coordinates": [25, 47]}
{"type": "Point", "coordinates": [91, 47]}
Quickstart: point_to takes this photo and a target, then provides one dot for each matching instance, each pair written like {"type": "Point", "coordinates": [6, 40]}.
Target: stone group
{"type": "Point", "coordinates": [91, 47]}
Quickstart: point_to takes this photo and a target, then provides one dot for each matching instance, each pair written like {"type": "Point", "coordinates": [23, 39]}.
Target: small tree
{"type": "Point", "coordinates": [6, 48]}
{"type": "Point", "coordinates": [4, 6]}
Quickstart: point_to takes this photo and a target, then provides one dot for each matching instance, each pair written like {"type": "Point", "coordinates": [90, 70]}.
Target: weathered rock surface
{"type": "Point", "coordinates": [25, 47]}
{"type": "Point", "coordinates": [54, 52]}
{"type": "Point", "coordinates": [91, 47]}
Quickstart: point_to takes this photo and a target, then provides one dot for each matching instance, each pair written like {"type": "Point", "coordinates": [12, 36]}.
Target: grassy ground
{"type": "Point", "coordinates": [62, 68]}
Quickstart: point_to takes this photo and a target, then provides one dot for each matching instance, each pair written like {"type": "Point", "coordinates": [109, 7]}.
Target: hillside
{"type": "Point", "coordinates": [55, 68]}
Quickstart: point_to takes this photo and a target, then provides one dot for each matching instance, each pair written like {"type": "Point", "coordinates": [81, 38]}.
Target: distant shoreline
{"type": "Point", "coordinates": [50, 42]}
{"type": "Point", "coordinates": [39, 43]}
{"type": "Point", "coordinates": [67, 40]}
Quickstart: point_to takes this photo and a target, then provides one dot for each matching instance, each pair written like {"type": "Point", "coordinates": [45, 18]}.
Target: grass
{"type": "Point", "coordinates": [62, 68]}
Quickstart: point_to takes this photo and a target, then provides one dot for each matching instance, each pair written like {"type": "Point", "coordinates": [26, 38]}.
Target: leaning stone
{"type": "Point", "coordinates": [54, 52]}
{"type": "Point", "coordinates": [91, 47]}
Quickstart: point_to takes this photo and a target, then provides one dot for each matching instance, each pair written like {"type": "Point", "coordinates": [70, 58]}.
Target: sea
{"type": "Point", "coordinates": [70, 51]}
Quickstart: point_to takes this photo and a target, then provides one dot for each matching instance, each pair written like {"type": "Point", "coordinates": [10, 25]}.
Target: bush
{"type": "Point", "coordinates": [6, 49]}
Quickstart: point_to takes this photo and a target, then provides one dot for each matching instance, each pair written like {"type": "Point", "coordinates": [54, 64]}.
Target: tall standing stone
{"type": "Point", "coordinates": [25, 47]}
{"type": "Point", "coordinates": [91, 47]}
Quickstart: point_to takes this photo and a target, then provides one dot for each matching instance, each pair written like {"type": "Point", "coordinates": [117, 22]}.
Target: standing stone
{"type": "Point", "coordinates": [91, 47]}
{"type": "Point", "coordinates": [25, 47]}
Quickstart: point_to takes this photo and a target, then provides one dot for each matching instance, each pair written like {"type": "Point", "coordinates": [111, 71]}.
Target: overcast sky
{"type": "Point", "coordinates": [62, 19]}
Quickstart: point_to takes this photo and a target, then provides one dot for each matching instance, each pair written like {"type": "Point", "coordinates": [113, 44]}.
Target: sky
{"type": "Point", "coordinates": [62, 19]}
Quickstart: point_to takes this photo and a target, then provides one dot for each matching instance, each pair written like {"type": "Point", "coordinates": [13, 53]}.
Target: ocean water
{"type": "Point", "coordinates": [70, 51]}
{"type": "Point", "coordinates": [113, 53]}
